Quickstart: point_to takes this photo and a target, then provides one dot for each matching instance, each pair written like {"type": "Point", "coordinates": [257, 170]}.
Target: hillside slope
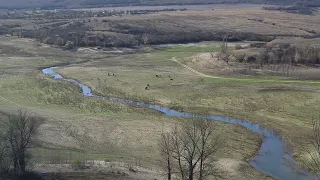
{"type": "Point", "coordinates": [89, 3]}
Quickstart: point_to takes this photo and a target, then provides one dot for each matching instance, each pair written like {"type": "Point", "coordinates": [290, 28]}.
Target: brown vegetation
{"type": "Point", "coordinates": [17, 137]}
{"type": "Point", "coordinates": [166, 27]}
{"type": "Point", "coordinates": [312, 150]}
{"type": "Point", "coordinates": [189, 150]}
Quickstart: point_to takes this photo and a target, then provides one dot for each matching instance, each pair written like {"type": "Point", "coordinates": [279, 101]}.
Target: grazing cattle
{"type": "Point", "coordinates": [157, 76]}
{"type": "Point", "coordinates": [171, 79]}
{"type": "Point", "coordinates": [146, 88]}
{"type": "Point", "coordinates": [108, 74]}
{"type": "Point", "coordinates": [148, 85]}
{"type": "Point", "coordinates": [112, 74]}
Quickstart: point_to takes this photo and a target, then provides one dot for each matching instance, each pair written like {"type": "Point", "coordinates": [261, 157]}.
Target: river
{"type": "Point", "coordinates": [275, 156]}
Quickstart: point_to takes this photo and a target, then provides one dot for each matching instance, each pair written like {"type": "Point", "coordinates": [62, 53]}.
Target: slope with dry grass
{"type": "Point", "coordinates": [80, 128]}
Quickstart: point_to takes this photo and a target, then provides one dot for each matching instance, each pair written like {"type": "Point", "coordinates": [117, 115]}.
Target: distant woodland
{"type": "Point", "coordinates": [49, 4]}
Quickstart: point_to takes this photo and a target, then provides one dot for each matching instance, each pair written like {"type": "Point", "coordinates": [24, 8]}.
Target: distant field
{"type": "Point", "coordinates": [252, 20]}
{"type": "Point", "coordinates": [188, 7]}
{"type": "Point", "coordinates": [241, 23]}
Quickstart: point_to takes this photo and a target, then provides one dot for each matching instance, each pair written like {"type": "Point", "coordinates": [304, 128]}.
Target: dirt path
{"type": "Point", "coordinates": [241, 79]}
{"type": "Point", "coordinates": [193, 70]}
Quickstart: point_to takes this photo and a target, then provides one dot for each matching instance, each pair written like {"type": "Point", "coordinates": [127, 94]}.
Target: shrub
{"type": "Point", "coordinates": [59, 41]}
{"type": "Point", "coordinates": [77, 164]}
{"type": "Point", "coordinates": [69, 45]}
{"type": "Point", "coordinates": [48, 40]}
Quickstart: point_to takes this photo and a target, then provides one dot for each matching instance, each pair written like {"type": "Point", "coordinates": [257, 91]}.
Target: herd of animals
{"type": "Point", "coordinates": [158, 76]}
{"type": "Point", "coordinates": [148, 85]}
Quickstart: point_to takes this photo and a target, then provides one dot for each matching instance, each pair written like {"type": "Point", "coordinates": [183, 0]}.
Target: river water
{"type": "Point", "coordinates": [274, 158]}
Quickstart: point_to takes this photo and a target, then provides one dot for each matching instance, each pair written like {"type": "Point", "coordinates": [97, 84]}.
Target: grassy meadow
{"type": "Point", "coordinates": [288, 106]}
{"type": "Point", "coordinates": [79, 127]}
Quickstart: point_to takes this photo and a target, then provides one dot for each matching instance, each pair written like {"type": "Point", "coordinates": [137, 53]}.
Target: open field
{"type": "Point", "coordinates": [173, 59]}
{"type": "Point", "coordinates": [287, 106]}
{"type": "Point", "coordinates": [89, 129]}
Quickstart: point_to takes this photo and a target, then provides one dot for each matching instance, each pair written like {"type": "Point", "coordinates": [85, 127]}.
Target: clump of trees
{"type": "Point", "coordinates": [189, 151]}
{"type": "Point", "coordinates": [17, 137]}
{"type": "Point", "coordinates": [286, 54]}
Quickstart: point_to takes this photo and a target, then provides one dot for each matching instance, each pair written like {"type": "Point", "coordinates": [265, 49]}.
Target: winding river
{"type": "Point", "coordinates": [275, 157]}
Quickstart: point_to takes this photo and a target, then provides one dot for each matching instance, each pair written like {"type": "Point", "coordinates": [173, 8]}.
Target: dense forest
{"type": "Point", "coordinates": [50, 4]}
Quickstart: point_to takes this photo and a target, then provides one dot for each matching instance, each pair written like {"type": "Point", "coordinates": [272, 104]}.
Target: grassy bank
{"type": "Point", "coordinates": [286, 106]}
{"type": "Point", "coordinates": [83, 128]}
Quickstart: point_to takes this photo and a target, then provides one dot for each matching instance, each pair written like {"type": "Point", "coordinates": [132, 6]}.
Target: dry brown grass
{"type": "Point", "coordinates": [242, 20]}
{"type": "Point", "coordinates": [94, 133]}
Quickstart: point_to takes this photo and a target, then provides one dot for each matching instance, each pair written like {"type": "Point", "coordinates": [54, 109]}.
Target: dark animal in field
{"type": "Point", "coordinates": [171, 79]}
{"type": "Point", "coordinates": [157, 76]}
{"type": "Point", "coordinates": [148, 85]}
{"type": "Point", "coordinates": [108, 74]}
{"type": "Point", "coordinates": [201, 79]}
{"type": "Point", "coordinates": [112, 74]}
{"type": "Point", "coordinates": [146, 88]}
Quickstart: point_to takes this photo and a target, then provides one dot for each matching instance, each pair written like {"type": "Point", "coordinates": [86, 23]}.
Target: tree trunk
{"type": "Point", "coordinates": [22, 162]}
{"type": "Point", "coordinates": [190, 171]}
{"type": "Point", "coordinates": [15, 164]}
{"type": "Point", "coordinates": [201, 170]}
{"type": "Point", "coordinates": [169, 168]}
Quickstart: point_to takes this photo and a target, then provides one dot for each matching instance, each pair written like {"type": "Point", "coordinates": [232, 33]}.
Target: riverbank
{"type": "Point", "coordinates": [286, 106]}
{"type": "Point", "coordinates": [88, 129]}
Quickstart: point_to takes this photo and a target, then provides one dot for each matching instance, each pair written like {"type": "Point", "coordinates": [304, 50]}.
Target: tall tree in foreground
{"type": "Point", "coordinates": [312, 150]}
{"type": "Point", "coordinates": [166, 148]}
{"type": "Point", "coordinates": [190, 149]}
{"type": "Point", "coordinates": [20, 135]}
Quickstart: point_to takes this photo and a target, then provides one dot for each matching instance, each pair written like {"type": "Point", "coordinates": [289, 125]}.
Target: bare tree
{"type": "Point", "coordinates": [224, 53]}
{"type": "Point", "coordinates": [4, 154]}
{"type": "Point", "coordinates": [166, 148]}
{"type": "Point", "coordinates": [86, 40]}
{"type": "Point", "coordinates": [20, 135]}
{"type": "Point", "coordinates": [145, 38]}
{"type": "Point", "coordinates": [210, 144]}
{"type": "Point", "coordinates": [312, 150]}
{"type": "Point", "coordinates": [193, 146]}
{"type": "Point", "coordinates": [264, 57]}
{"type": "Point", "coordinates": [59, 41]}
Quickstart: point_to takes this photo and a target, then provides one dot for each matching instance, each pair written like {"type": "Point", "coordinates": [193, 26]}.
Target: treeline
{"type": "Point", "coordinates": [129, 35]}
{"type": "Point", "coordinates": [299, 7]}
{"type": "Point", "coordinates": [132, 40]}
{"type": "Point", "coordinates": [285, 54]}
